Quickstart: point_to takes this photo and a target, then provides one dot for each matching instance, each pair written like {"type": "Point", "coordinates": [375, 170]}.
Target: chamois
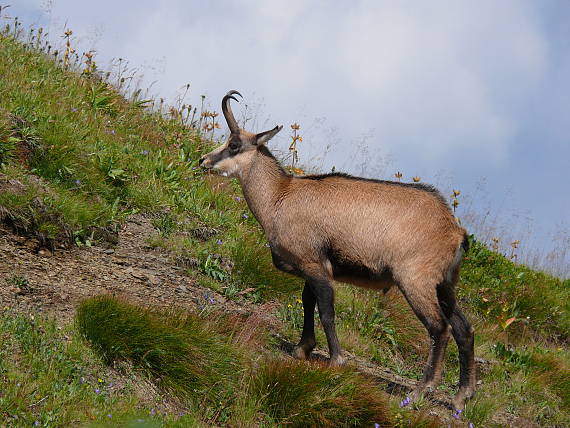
{"type": "Point", "coordinates": [369, 233]}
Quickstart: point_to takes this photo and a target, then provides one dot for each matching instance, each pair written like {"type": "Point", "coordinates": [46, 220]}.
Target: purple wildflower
{"type": "Point", "coordinates": [376, 425]}
{"type": "Point", "coordinates": [37, 423]}
{"type": "Point", "coordinates": [110, 385]}
{"type": "Point", "coordinates": [405, 402]}
{"type": "Point", "coordinates": [245, 216]}
{"type": "Point", "coordinates": [112, 132]}
{"type": "Point", "coordinates": [73, 109]}
{"type": "Point", "coordinates": [77, 182]}
{"type": "Point", "coordinates": [97, 391]}
{"type": "Point", "coordinates": [109, 416]}
{"type": "Point", "coordinates": [471, 425]}
{"type": "Point", "coordinates": [209, 299]}
{"type": "Point", "coordinates": [237, 198]}
{"type": "Point", "coordinates": [145, 152]}
{"type": "Point", "coordinates": [219, 242]}
{"type": "Point", "coordinates": [152, 412]}
{"type": "Point", "coordinates": [457, 414]}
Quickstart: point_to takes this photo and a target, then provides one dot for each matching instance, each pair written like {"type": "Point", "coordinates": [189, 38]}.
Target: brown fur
{"type": "Point", "coordinates": [368, 233]}
{"type": "Point", "coordinates": [363, 230]}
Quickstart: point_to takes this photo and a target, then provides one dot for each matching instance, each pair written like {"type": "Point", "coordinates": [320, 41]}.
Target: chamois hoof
{"type": "Point", "coordinates": [418, 393]}
{"type": "Point", "coordinates": [337, 361]}
{"type": "Point", "coordinates": [300, 353]}
{"type": "Point", "coordinates": [461, 397]}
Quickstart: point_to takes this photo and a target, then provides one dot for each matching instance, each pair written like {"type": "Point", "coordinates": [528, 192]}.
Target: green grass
{"type": "Point", "coordinates": [50, 377]}
{"type": "Point", "coordinates": [501, 289]}
{"type": "Point", "coordinates": [113, 155]}
{"type": "Point", "coordinates": [185, 353]}
{"type": "Point", "coordinates": [300, 394]}
{"type": "Point", "coordinates": [224, 381]}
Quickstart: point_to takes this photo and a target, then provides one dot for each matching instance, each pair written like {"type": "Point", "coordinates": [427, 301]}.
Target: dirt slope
{"type": "Point", "coordinates": [56, 282]}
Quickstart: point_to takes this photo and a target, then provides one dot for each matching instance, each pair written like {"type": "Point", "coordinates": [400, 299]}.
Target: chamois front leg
{"type": "Point", "coordinates": [324, 294]}
{"type": "Point", "coordinates": [307, 343]}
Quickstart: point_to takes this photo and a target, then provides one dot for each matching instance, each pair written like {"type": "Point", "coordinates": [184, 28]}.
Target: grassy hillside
{"type": "Point", "coordinates": [77, 159]}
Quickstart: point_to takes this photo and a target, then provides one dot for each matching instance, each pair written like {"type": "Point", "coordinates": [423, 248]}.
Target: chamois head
{"type": "Point", "coordinates": [232, 157]}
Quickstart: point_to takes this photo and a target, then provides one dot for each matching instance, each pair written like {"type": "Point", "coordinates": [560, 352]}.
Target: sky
{"type": "Point", "coordinates": [467, 95]}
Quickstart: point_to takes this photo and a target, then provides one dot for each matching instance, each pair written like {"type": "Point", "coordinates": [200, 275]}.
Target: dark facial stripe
{"type": "Point", "coordinates": [231, 150]}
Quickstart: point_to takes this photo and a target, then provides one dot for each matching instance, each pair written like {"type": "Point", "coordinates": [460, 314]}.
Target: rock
{"type": "Point", "coordinates": [45, 252]}
{"type": "Point", "coordinates": [204, 233]}
{"type": "Point", "coordinates": [186, 262]}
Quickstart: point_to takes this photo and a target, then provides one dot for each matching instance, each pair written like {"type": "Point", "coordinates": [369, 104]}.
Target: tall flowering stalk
{"type": "Point", "coordinates": [210, 126]}
{"type": "Point", "coordinates": [90, 65]}
{"type": "Point", "coordinates": [454, 200]}
{"type": "Point", "coordinates": [68, 49]}
{"type": "Point", "coordinates": [295, 138]}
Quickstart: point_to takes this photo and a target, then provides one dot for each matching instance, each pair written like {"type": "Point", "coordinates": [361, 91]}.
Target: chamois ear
{"type": "Point", "coordinates": [264, 137]}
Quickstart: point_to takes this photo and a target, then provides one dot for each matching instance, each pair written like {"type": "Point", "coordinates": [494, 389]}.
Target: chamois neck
{"type": "Point", "coordinates": [263, 184]}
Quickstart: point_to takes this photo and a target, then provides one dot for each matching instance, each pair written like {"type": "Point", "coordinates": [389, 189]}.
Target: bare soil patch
{"type": "Point", "coordinates": [56, 281]}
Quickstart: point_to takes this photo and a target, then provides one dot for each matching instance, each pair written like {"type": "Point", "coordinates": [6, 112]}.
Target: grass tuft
{"type": "Point", "coordinates": [199, 360]}
{"type": "Point", "coordinates": [182, 352]}
{"type": "Point", "coordinates": [300, 394]}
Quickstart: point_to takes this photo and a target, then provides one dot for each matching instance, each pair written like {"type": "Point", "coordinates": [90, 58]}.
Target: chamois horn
{"type": "Point", "coordinates": [227, 110]}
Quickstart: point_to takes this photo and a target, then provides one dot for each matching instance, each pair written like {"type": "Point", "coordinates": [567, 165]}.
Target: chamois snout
{"type": "Point", "coordinates": [206, 161]}
{"type": "Point", "coordinates": [202, 162]}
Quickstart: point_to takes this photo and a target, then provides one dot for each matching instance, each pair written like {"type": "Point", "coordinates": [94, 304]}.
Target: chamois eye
{"type": "Point", "coordinates": [234, 146]}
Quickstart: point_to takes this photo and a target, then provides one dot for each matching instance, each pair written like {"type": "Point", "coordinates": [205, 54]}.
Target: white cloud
{"type": "Point", "coordinates": [442, 75]}
{"type": "Point", "coordinates": [436, 74]}
{"type": "Point", "coordinates": [433, 76]}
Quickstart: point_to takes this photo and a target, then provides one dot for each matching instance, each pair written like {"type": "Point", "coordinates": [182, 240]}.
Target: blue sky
{"type": "Point", "coordinates": [467, 95]}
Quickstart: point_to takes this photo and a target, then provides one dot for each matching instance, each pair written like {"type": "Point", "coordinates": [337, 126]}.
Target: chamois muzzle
{"type": "Point", "coordinates": [204, 163]}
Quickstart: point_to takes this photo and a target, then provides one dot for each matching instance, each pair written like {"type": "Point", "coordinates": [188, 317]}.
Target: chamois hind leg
{"type": "Point", "coordinates": [424, 303]}
{"type": "Point", "coordinates": [307, 343]}
{"type": "Point", "coordinates": [324, 293]}
{"type": "Point", "coordinates": [464, 337]}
